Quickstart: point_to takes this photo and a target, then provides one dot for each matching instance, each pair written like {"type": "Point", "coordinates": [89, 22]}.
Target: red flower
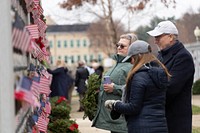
{"type": "Point", "coordinates": [19, 95]}
{"type": "Point", "coordinates": [61, 99]}
{"type": "Point", "coordinates": [73, 126]}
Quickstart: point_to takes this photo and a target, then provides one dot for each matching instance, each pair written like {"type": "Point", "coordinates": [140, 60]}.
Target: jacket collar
{"type": "Point", "coordinates": [118, 57]}
{"type": "Point", "coordinates": [173, 49]}
{"type": "Point", "coordinates": [168, 53]}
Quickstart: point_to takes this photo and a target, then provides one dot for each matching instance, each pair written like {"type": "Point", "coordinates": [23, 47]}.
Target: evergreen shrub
{"type": "Point", "coordinates": [60, 117]}
{"type": "Point", "coordinates": [196, 87]}
{"type": "Point", "coordinates": [90, 99]}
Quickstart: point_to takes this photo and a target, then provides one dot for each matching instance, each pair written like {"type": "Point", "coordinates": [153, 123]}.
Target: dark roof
{"type": "Point", "coordinates": [68, 28]}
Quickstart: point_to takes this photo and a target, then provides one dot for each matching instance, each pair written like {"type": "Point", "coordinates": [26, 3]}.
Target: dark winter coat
{"type": "Point", "coordinates": [99, 71]}
{"type": "Point", "coordinates": [118, 74]}
{"type": "Point", "coordinates": [69, 80]}
{"type": "Point", "coordinates": [144, 107]}
{"type": "Point", "coordinates": [58, 84]}
{"type": "Point", "coordinates": [178, 105]}
{"type": "Point", "coordinates": [81, 77]}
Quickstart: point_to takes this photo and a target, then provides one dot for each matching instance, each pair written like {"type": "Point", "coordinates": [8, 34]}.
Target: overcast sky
{"type": "Point", "coordinates": [62, 16]}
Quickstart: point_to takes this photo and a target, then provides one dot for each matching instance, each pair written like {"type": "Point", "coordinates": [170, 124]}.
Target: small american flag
{"type": "Point", "coordinates": [33, 31]}
{"type": "Point", "coordinates": [48, 108]}
{"type": "Point", "coordinates": [14, 36]}
{"type": "Point", "coordinates": [24, 89]}
{"type": "Point", "coordinates": [47, 120]}
{"type": "Point", "coordinates": [37, 11]}
{"type": "Point", "coordinates": [35, 17]}
{"type": "Point", "coordinates": [42, 124]}
{"type": "Point", "coordinates": [36, 14]}
{"type": "Point", "coordinates": [44, 85]}
{"type": "Point", "coordinates": [46, 74]}
{"type": "Point", "coordinates": [19, 37]}
{"type": "Point", "coordinates": [35, 88]}
{"type": "Point", "coordinates": [41, 25]}
{"type": "Point", "coordinates": [26, 95]}
{"type": "Point", "coordinates": [25, 42]}
{"type": "Point", "coordinates": [26, 83]}
{"type": "Point", "coordinates": [40, 9]}
{"type": "Point", "coordinates": [37, 52]}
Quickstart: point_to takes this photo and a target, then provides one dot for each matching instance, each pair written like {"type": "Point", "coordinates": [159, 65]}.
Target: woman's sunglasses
{"type": "Point", "coordinates": [120, 45]}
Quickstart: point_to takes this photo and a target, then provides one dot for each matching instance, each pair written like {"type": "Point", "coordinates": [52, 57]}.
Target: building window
{"type": "Point", "coordinates": [72, 59]}
{"type": "Point", "coordinates": [78, 58]}
{"type": "Point", "coordinates": [91, 57]}
{"type": "Point", "coordinates": [59, 57]}
{"type": "Point", "coordinates": [66, 58]}
{"type": "Point", "coordinates": [78, 43]}
{"type": "Point", "coordinates": [84, 43]}
{"type": "Point", "coordinates": [59, 44]}
{"type": "Point", "coordinates": [85, 58]}
{"type": "Point", "coordinates": [65, 44]}
{"type": "Point", "coordinates": [72, 43]}
{"type": "Point", "coordinates": [99, 58]}
{"type": "Point", "coordinates": [51, 59]}
{"type": "Point", "coordinates": [51, 44]}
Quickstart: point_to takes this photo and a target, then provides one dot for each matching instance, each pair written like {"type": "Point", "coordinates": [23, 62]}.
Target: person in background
{"type": "Point", "coordinates": [82, 74]}
{"type": "Point", "coordinates": [113, 90]}
{"type": "Point", "coordinates": [180, 64]}
{"type": "Point", "coordinates": [98, 69]}
{"type": "Point", "coordinates": [71, 81]}
{"type": "Point", "coordinates": [144, 97]}
{"type": "Point", "coordinates": [59, 83]}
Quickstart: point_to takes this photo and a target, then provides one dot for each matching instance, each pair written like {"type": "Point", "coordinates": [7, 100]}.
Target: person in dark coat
{"type": "Point", "coordinates": [143, 103]}
{"type": "Point", "coordinates": [59, 81]}
{"type": "Point", "coordinates": [70, 84]}
{"type": "Point", "coordinates": [98, 69]}
{"type": "Point", "coordinates": [180, 64]}
{"type": "Point", "coordinates": [82, 74]}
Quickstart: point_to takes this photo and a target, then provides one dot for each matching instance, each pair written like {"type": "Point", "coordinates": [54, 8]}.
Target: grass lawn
{"type": "Point", "coordinates": [195, 110]}
{"type": "Point", "coordinates": [196, 130]}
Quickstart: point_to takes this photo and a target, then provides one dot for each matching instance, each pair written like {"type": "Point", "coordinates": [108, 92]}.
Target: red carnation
{"type": "Point", "coordinates": [73, 127]}
{"type": "Point", "coordinates": [61, 99]}
{"type": "Point", "coordinates": [19, 95]}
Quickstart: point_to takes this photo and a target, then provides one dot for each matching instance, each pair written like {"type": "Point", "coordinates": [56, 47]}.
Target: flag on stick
{"type": "Point", "coordinates": [33, 31]}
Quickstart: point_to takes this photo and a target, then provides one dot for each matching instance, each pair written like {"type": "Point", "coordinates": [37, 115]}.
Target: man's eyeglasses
{"type": "Point", "coordinates": [122, 46]}
{"type": "Point", "coordinates": [158, 37]}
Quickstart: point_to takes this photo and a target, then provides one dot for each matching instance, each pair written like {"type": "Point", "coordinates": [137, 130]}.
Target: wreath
{"type": "Point", "coordinates": [90, 99]}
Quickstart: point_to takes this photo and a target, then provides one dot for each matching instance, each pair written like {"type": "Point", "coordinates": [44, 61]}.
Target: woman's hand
{"type": "Point", "coordinates": [108, 87]}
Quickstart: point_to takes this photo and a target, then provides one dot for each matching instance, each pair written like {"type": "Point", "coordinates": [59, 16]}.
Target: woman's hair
{"type": "Point", "coordinates": [59, 62]}
{"type": "Point", "coordinates": [140, 60]}
{"type": "Point", "coordinates": [129, 36]}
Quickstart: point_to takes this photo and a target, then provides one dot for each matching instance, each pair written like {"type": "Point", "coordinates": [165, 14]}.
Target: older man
{"type": "Point", "coordinates": [180, 65]}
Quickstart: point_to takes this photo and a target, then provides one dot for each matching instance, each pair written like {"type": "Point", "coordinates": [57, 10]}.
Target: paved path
{"type": "Point", "coordinates": [85, 125]}
{"type": "Point", "coordinates": [196, 118]}
{"type": "Point", "coordinates": [196, 100]}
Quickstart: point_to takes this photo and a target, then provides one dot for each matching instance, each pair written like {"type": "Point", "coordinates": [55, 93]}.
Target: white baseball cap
{"type": "Point", "coordinates": [164, 27]}
{"type": "Point", "coordinates": [137, 47]}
